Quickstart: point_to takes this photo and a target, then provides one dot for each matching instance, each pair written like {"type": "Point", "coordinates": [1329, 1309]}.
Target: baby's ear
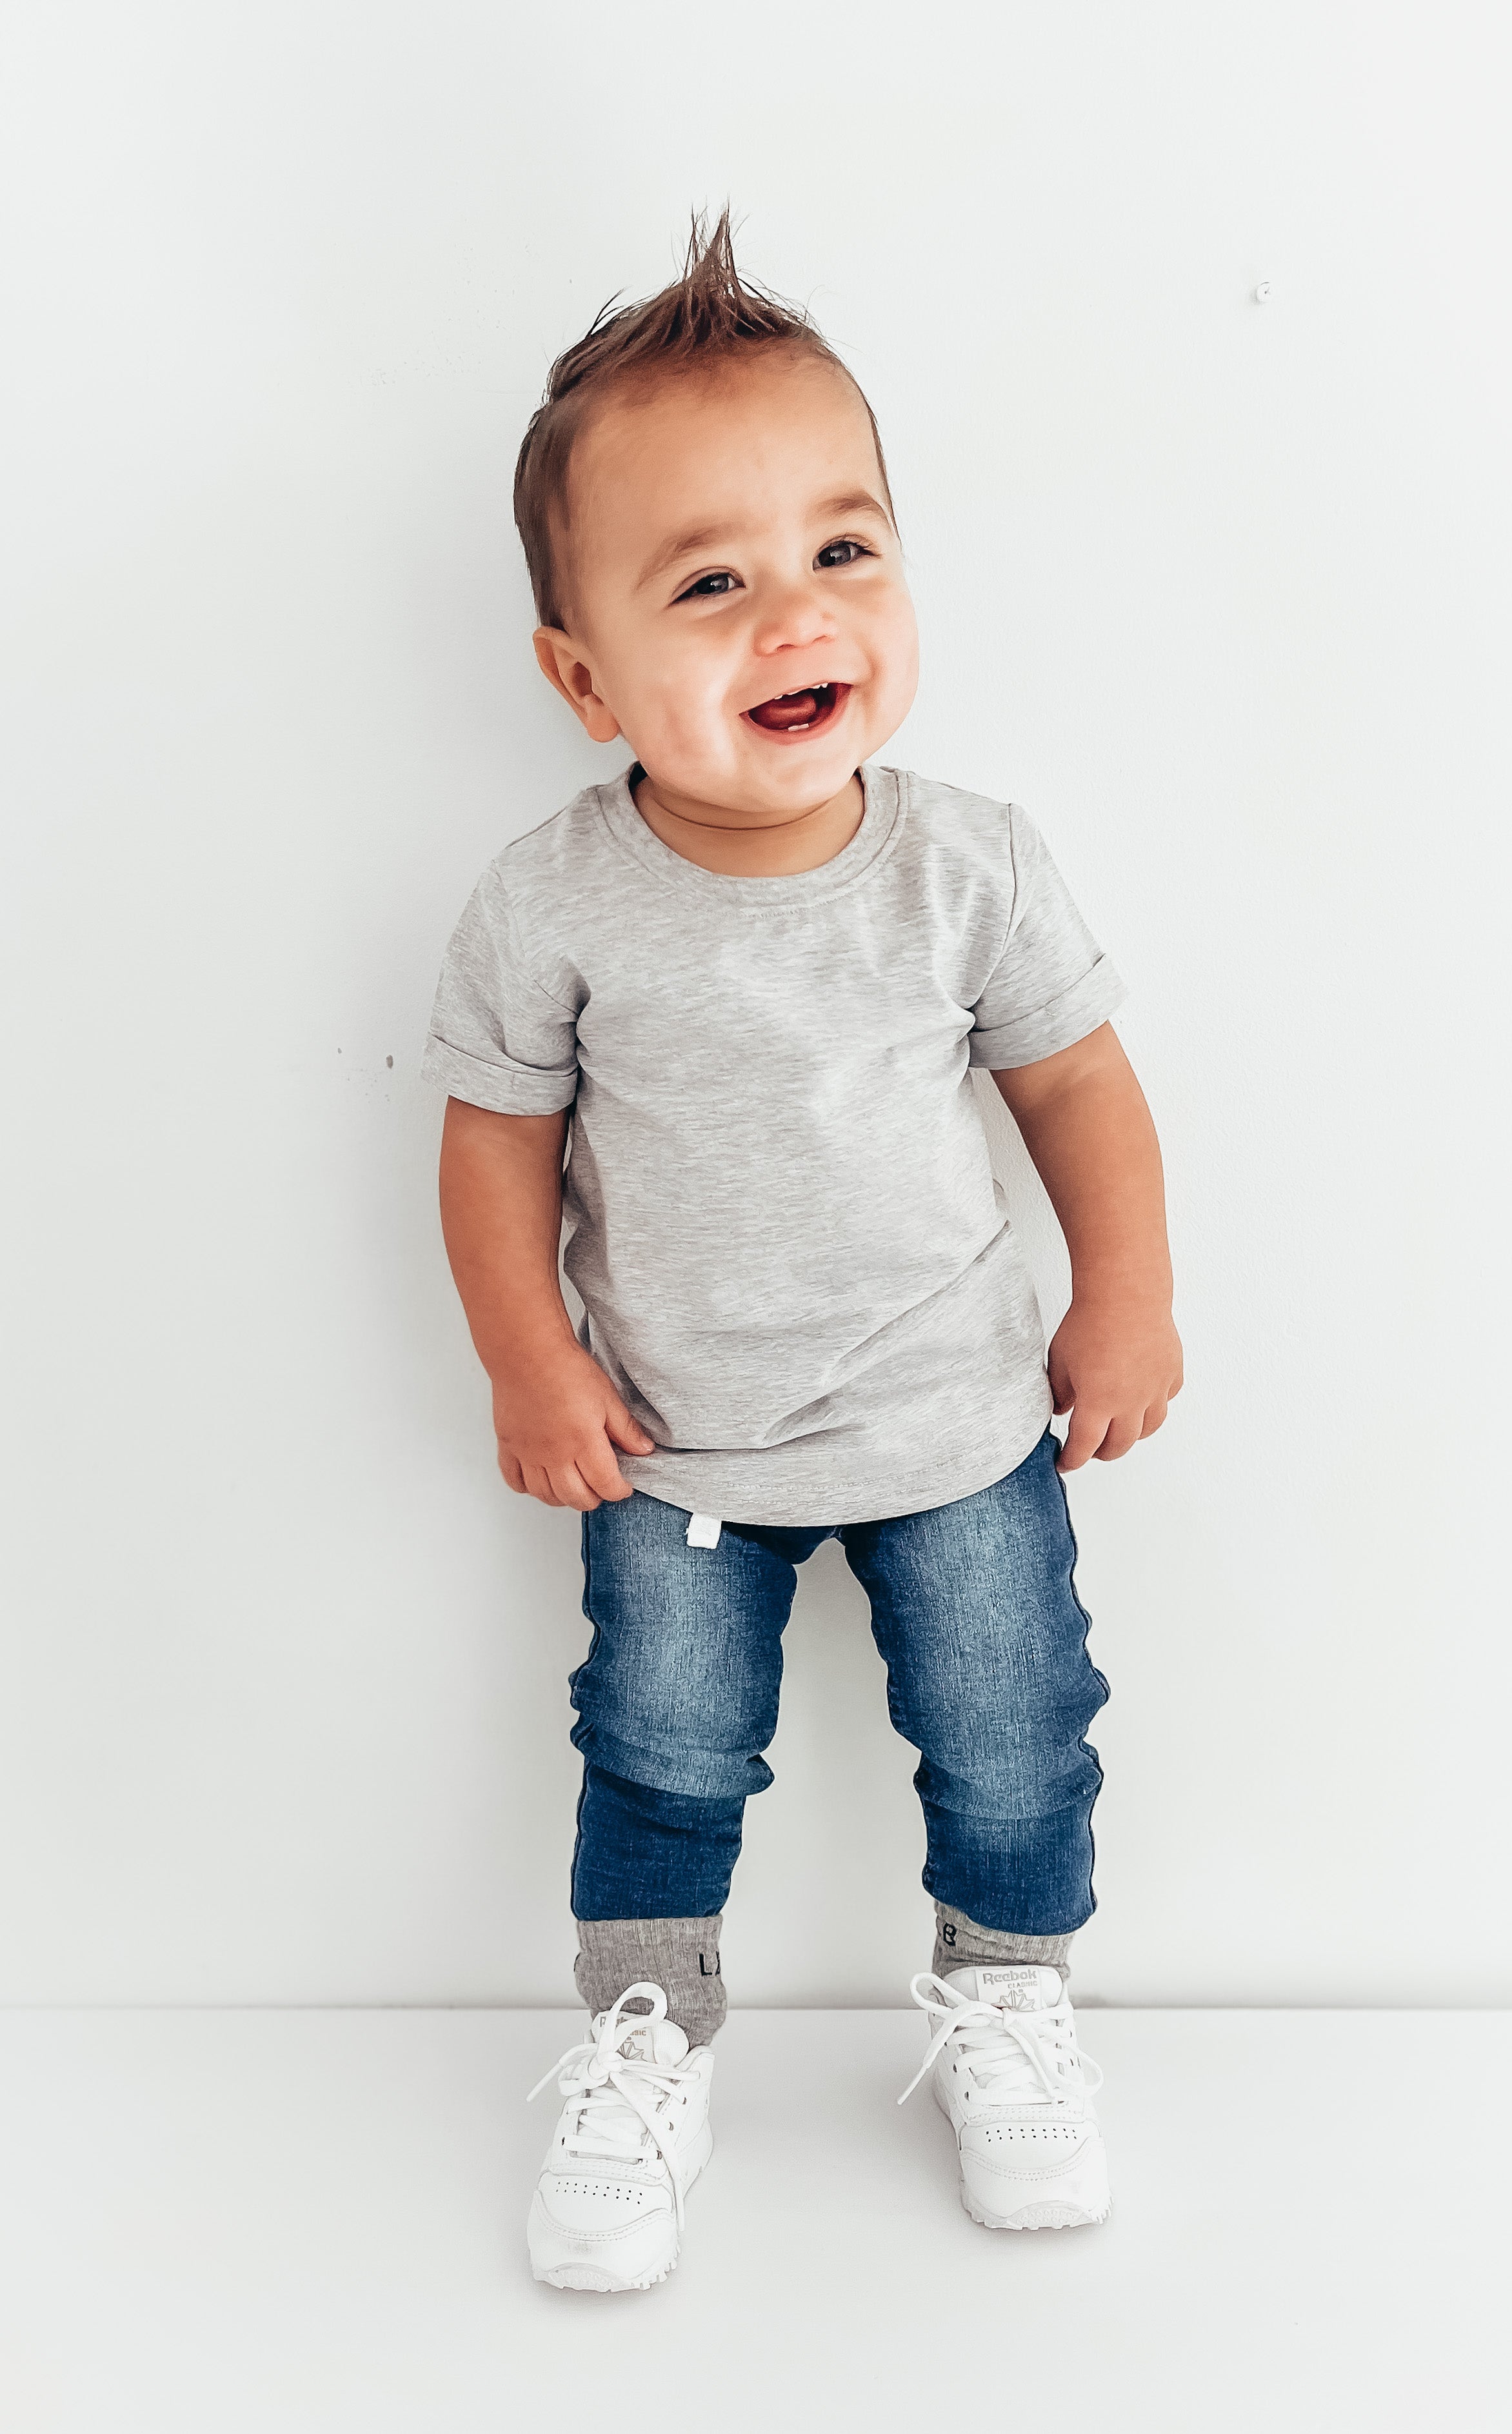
{"type": "Point", "coordinates": [563, 666]}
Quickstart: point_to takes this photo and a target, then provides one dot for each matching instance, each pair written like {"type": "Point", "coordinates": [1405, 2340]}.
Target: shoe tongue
{"type": "Point", "coordinates": [1021, 1987]}
{"type": "Point", "coordinates": [654, 2041]}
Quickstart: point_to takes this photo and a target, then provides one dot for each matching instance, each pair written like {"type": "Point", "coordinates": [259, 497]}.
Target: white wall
{"type": "Point", "coordinates": [1217, 588]}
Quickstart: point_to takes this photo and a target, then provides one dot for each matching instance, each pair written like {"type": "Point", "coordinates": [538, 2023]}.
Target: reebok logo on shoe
{"type": "Point", "coordinates": [1018, 1989]}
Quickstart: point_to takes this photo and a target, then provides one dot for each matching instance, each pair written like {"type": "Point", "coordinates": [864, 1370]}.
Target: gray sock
{"type": "Point", "coordinates": [960, 1944]}
{"type": "Point", "coordinates": [680, 1955]}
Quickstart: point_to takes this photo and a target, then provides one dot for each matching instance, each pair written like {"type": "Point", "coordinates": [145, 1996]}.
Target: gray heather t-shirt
{"type": "Point", "coordinates": [795, 1263]}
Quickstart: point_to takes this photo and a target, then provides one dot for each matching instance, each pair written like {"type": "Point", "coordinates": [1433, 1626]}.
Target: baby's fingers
{"type": "Point", "coordinates": [1087, 1428]}
{"type": "Point", "coordinates": [628, 1433]}
{"type": "Point", "coordinates": [603, 1474]}
{"type": "Point", "coordinates": [1124, 1430]}
{"type": "Point", "coordinates": [572, 1489]}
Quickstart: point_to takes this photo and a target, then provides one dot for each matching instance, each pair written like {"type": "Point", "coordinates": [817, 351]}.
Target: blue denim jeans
{"type": "Point", "coordinates": [975, 1616]}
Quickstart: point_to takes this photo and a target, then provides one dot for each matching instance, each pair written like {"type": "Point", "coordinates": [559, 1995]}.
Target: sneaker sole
{"type": "Point", "coordinates": [572, 2273]}
{"type": "Point", "coordinates": [1048, 2214]}
{"type": "Point", "coordinates": [592, 2277]}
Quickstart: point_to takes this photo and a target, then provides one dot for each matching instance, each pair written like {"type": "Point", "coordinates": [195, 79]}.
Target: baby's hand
{"type": "Point", "coordinates": [557, 1421]}
{"type": "Point", "coordinates": [1114, 1366]}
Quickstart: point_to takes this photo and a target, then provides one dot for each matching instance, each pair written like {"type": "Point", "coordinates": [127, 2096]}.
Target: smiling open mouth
{"type": "Point", "coordinates": [801, 712]}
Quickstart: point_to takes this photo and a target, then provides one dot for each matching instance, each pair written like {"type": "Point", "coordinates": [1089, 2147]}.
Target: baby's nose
{"type": "Point", "coordinates": [793, 622]}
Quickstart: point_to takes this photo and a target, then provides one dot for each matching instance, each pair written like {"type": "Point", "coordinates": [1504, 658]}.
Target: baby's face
{"type": "Point", "coordinates": [738, 610]}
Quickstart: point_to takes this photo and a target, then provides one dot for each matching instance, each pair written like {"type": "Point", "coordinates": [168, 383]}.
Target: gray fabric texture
{"type": "Point", "coordinates": [680, 1955]}
{"type": "Point", "coordinates": [779, 1211]}
{"type": "Point", "coordinates": [960, 1944]}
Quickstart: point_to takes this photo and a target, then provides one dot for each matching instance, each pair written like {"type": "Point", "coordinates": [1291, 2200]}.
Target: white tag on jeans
{"type": "Point", "coordinates": [703, 1532]}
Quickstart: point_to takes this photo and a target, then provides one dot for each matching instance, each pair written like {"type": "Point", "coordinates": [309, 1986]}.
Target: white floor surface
{"type": "Point", "coordinates": [306, 2222]}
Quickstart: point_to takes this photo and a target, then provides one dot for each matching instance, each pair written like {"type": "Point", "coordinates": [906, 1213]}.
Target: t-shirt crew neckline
{"type": "Point", "coordinates": [880, 820]}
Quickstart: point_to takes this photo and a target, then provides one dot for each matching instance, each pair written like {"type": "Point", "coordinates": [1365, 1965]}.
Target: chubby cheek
{"type": "Point", "coordinates": [678, 719]}
{"type": "Point", "coordinates": [895, 658]}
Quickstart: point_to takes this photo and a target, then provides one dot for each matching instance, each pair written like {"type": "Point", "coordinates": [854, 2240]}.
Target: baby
{"type": "Point", "coordinates": [721, 1015]}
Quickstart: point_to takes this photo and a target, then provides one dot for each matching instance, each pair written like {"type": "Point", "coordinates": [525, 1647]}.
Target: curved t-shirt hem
{"type": "Point", "coordinates": [699, 1484]}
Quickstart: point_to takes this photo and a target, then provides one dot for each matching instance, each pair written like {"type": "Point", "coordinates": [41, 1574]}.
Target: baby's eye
{"type": "Point", "coordinates": [841, 553]}
{"type": "Point", "coordinates": [709, 587]}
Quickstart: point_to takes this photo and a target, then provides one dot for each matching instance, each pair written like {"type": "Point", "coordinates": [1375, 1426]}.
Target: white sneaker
{"type": "Point", "coordinates": [1010, 2079]}
{"type": "Point", "coordinates": [632, 2138]}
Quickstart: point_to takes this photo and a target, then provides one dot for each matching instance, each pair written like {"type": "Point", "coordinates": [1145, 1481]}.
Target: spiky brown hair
{"type": "Point", "coordinates": [709, 315]}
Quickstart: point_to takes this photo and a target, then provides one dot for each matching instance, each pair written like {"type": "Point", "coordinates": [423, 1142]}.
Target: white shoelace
{"type": "Point", "coordinates": [619, 2103]}
{"type": "Point", "coordinates": [1014, 2057]}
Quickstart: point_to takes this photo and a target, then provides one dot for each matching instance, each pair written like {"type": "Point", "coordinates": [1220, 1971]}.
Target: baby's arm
{"type": "Point", "coordinates": [556, 1417]}
{"type": "Point", "coordinates": [1116, 1358]}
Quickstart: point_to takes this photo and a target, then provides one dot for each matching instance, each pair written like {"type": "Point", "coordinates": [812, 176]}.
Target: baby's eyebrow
{"type": "Point", "coordinates": [851, 503]}
{"type": "Point", "coordinates": [680, 545]}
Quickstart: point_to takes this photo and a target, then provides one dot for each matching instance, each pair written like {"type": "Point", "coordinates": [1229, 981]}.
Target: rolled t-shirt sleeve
{"type": "Point", "coordinates": [1053, 983]}
{"type": "Point", "coordinates": [498, 1038]}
